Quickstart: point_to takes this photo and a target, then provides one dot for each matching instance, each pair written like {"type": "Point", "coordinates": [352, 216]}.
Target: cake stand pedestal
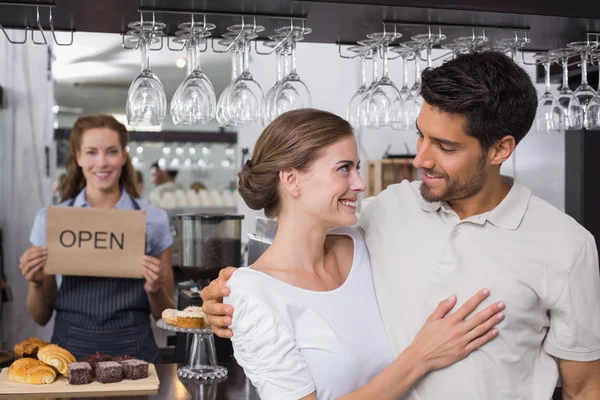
{"type": "Point", "coordinates": [202, 362]}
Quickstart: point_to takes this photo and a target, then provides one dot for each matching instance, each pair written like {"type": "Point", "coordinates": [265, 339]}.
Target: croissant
{"type": "Point", "coordinates": [29, 347]}
{"type": "Point", "coordinates": [31, 371]}
{"type": "Point", "coordinates": [57, 357]}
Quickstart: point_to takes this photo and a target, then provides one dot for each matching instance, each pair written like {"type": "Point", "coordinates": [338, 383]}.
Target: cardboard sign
{"type": "Point", "coordinates": [95, 242]}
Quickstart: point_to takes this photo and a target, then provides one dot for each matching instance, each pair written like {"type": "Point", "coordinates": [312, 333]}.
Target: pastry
{"type": "Point", "coordinates": [56, 357]}
{"type": "Point", "coordinates": [80, 373]}
{"type": "Point", "coordinates": [192, 318]}
{"type": "Point", "coordinates": [109, 372]}
{"type": "Point", "coordinates": [29, 347]}
{"type": "Point", "coordinates": [31, 371]}
{"type": "Point", "coordinates": [135, 369]}
{"type": "Point", "coordinates": [170, 316]}
{"type": "Point", "coordinates": [95, 359]}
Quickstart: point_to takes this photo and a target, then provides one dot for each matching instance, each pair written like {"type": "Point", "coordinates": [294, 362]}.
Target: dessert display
{"type": "Point", "coordinates": [80, 373]}
{"type": "Point", "coordinates": [55, 373]}
{"type": "Point", "coordinates": [135, 369]}
{"type": "Point", "coordinates": [109, 372]}
{"type": "Point", "coordinates": [29, 347]}
{"type": "Point", "coordinates": [190, 317]}
{"type": "Point", "coordinates": [31, 371]}
{"type": "Point", "coordinates": [56, 357]}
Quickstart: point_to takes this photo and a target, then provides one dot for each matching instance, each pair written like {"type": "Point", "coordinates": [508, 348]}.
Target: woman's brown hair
{"type": "Point", "coordinates": [74, 181]}
{"type": "Point", "coordinates": [294, 140]}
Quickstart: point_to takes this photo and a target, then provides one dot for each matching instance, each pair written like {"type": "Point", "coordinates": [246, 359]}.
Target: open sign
{"type": "Point", "coordinates": [95, 241]}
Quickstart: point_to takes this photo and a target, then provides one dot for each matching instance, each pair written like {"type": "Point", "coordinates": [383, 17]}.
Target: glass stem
{"type": "Point", "coordinates": [293, 58]}
{"type": "Point", "coordinates": [375, 67]}
{"type": "Point", "coordinates": [428, 56]}
{"type": "Point", "coordinates": [417, 69]}
{"type": "Point", "coordinates": [196, 51]}
{"type": "Point", "coordinates": [565, 74]}
{"type": "Point", "coordinates": [584, 69]}
{"type": "Point", "coordinates": [547, 76]}
{"type": "Point", "coordinates": [363, 72]}
{"type": "Point", "coordinates": [246, 57]}
{"type": "Point", "coordinates": [234, 63]}
{"type": "Point", "coordinates": [145, 38]}
{"type": "Point", "coordinates": [385, 61]}
{"type": "Point", "coordinates": [278, 54]}
{"type": "Point", "coordinates": [404, 73]}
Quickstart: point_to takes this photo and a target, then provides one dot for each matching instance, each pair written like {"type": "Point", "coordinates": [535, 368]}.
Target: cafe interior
{"type": "Point", "coordinates": [64, 59]}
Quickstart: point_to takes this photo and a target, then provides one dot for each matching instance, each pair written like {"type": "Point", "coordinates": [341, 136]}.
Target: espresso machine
{"type": "Point", "coordinates": [206, 244]}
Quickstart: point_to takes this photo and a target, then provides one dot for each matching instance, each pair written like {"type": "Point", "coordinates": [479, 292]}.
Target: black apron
{"type": "Point", "coordinates": [106, 315]}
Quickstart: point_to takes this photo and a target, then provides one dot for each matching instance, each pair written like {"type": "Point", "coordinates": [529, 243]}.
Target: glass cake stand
{"type": "Point", "coordinates": [202, 361]}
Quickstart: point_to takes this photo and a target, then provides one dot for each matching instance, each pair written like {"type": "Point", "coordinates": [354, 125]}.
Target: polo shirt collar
{"type": "Point", "coordinates": [125, 202]}
{"type": "Point", "coordinates": [506, 215]}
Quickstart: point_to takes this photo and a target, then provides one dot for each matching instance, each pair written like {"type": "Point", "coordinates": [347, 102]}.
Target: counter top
{"type": "Point", "coordinates": [236, 387]}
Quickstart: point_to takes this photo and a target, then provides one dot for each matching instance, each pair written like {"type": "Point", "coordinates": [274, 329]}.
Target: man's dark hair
{"type": "Point", "coordinates": [490, 89]}
{"type": "Point", "coordinates": [172, 173]}
{"type": "Point", "coordinates": [155, 165]}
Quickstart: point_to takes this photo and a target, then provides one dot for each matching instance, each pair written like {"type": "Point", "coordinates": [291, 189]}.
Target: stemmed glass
{"type": "Point", "coordinates": [194, 102]}
{"type": "Point", "coordinates": [593, 108]}
{"type": "Point", "coordinates": [544, 121]}
{"type": "Point", "coordinates": [411, 108]}
{"type": "Point", "coordinates": [281, 70]}
{"type": "Point", "coordinates": [352, 112]}
{"type": "Point", "coordinates": [584, 93]}
{"type": "Point", "coordinates": [427, 40]}
{"type": "Point", "coordinates": [560, 108]}
{"type": "Point", "coordinates": [146, 98]}
{"type": "Point", "coordinates": [246, 95]}
{"type": "Point", "coordinates": [384, 102]}
{"type": "Point", "coordinates": [363, 107]}
{"type": "Point", "coordinates": [513, 44]}
{"type": "Point", "coordinates": [292, 93]}
{"type": "Point", "coordinates": [221, 114]}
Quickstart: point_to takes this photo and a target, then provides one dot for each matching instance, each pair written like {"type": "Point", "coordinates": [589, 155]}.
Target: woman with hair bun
{"type": "Point", "coordinates": [306, 323]}
{"type": "Point", "coordinates": [106, 315]}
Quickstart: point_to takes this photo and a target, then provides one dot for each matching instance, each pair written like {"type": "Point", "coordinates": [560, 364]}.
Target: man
{"type": "Point", "coordinates": [465, 226]}
{"type": "Point", "coordinates": [164, 180]}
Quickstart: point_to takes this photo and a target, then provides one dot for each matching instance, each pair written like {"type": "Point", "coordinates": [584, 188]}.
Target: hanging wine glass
{"type": "Point", "coordinates": [352, 112]}
{"type": "Point", "coordinates": [222, 119]}
{"type": "Point", "coordinates": [593, 108]}
{"type": "Point", "coordinates": [560, 108]}
{"type": "Point", "coordinates": [146, 98]}
{"type": "Point", "coordinates": [363, 107]}
{"type": "Point", "coordinates": [412, 107]}
{"type": "Point", "coordinates": [544, 121]}
{"type": "Point", "coordinates": [427, 40]}
{"type": "Point", "coordinates": [584, 93]}
{"type": "Point", "coordinates": [385, 104]}
{"type": "Point", "coordinates": [194, 102]}
{"type": "Point", "coordinates": [292, 93]}
{"type": "Point", "coordinates": [246, 95]}
{"type": "Point", "coordinates": [266, 108]}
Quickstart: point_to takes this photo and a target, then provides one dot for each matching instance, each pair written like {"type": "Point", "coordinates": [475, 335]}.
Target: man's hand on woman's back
{"type": "Point", "coordinates": [219, 315]}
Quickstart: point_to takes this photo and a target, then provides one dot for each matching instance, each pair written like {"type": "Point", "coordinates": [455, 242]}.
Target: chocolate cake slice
{"type": "Point", "coordinates": [80, 373]}
{"type": "Point", "coordinates": [135, 369]}
{"type": "Point", "coordinates": [109, 372]}
{"type": "Point", "coordinates": [95, 359]}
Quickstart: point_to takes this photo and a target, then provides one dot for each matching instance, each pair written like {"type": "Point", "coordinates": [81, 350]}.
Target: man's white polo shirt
{"type": "Point", "coordinates": [535, 258]}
